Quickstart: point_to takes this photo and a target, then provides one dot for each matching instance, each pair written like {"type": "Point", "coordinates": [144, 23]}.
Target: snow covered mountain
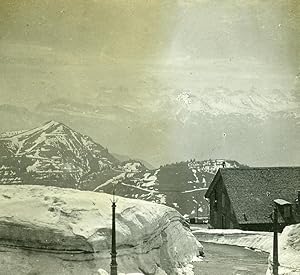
{"type": "Point", "coordinates": [222, 101]}
{"type": "Point", "coordinates": [179, 185]}
{"type": "Point", "coordinates": [56, 155]}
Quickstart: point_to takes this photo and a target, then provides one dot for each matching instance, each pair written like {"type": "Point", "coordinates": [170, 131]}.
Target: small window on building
{"type": "Point", "coordinates": [223, 199]}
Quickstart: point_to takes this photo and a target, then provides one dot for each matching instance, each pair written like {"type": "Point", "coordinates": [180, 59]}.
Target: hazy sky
{"type": "Point", "coordinates": [173, 65]}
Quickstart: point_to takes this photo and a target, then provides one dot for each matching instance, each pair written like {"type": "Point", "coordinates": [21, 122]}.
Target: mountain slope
{"type": "Point", "coordinates": [127, 158]}
{"type": "Point", "coordinates": [180, 185]}
{"type": "Point", "coordinates": [54, 154]}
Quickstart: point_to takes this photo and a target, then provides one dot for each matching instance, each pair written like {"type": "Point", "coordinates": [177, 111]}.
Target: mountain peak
{"type": "Point", "coordinates": [52, 153]}
{"type": "Point", "coordinates": [52, 123]}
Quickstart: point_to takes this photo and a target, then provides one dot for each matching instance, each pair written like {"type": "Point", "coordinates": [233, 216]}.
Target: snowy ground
{"type": "Point", "coordinates": [231, 260]}
{"type": "Point", "coordinates": [251, 239]}
{"type": "Point", "coordinates": [289, 244]}
{"type": "Point", "coordinates": [289, 251]}
{"type": "Point", "coordinates": [48, 230]}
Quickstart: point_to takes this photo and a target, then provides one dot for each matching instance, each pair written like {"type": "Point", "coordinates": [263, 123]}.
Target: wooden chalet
{"type": "Point", "coordinates": [244, 197]}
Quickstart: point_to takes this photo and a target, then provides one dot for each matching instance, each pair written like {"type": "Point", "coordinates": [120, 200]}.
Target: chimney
{"type": "Point", "coordinates": [224, 164]}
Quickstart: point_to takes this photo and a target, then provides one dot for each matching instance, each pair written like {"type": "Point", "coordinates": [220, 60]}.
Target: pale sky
{"type": "Point", "coordinates": [170, 77]}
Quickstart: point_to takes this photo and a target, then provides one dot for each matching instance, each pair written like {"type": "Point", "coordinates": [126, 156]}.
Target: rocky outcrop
{"type": "Point", "coordinates": [49, 230]}
{"type": "Point", "coordinates": [288, 252]}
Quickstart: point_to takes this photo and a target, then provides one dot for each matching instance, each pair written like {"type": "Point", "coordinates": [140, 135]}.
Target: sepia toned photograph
{"type": "Point", "coordinates": [149, 137]}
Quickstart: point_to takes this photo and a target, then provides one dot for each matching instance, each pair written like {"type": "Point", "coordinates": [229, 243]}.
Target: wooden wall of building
{"type": "Point", "coordinates": [221, 212]}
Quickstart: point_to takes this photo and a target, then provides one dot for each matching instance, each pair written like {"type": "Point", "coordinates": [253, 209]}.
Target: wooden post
{"type": "Point", "coordinates": [197, 205]}
{"type": "Point", "coordinates": [113, 265]}
{"type": "Point", "coordinates": [275, 241]}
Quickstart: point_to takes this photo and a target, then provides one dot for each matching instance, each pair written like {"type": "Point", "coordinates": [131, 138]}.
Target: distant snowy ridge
{"type": "Point", "coordinates": [222, 101]}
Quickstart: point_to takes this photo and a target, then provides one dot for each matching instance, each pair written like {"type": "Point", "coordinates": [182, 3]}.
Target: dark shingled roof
{"type": "Point", "coordinates": [253, 190]}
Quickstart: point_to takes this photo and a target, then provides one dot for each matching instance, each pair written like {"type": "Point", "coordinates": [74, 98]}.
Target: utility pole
{"type": "Point", "coordinates": [197, 212]}
{"type": "Point", "coordinates": [285, 207]}
{"type": "Point", "coordinates": [197, 205]}
{"type": "Point", "coordinates": [113, 265]}
{"type": "Point", "coordinates": [275, 241]}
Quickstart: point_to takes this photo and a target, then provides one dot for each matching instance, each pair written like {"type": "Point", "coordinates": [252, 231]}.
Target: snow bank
{"type": "Point", "coordinates": [288, 251]}
{"type": "Point", "coordinates": [252, 239]}
{"type": "Point", "coordinates": [48, 230]}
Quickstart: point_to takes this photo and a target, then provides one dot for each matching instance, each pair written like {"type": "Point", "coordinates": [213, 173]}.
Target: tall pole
{"type": "Point", "coordinates": [113, 265]}
{"type": "Point", "coordinates": [197, 205]}
{"type": "Point", "coordinates": [275, 242]}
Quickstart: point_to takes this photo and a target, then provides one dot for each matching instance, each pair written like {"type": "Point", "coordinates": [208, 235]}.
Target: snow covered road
{"type": "Point", "coordinates": [231, 260]}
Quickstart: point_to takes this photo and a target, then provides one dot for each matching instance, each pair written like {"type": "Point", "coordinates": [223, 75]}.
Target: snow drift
{"type": "Point", "coordinates": [50, 230]}
{"type": "Point", "coordinates": [251, 239]}
{"type": "Point", "coordinates": [288, 251]}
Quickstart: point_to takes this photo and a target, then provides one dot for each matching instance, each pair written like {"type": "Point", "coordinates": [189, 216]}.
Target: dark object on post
{"type": "Point", "coordinates": [198, 220]}
{"type": "Point", "coordinates": [283, 207]}
{"type": "Point", "coordinates": [113, 265]}
{"type": "Point", "coordinates": [275, 240]}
